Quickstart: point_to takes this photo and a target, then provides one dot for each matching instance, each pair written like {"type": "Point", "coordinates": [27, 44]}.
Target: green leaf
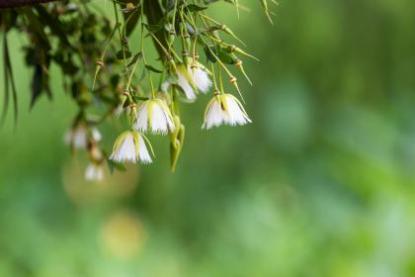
{"type": "Point", "coordinates": [152, 68]}
{"type": "Point", "coordinates": [134, 59]}
{"type": "Point", "coordinates": [123, 54]}
{"type": "Point", "coordinates": [9, 78]}
{"type": "Point", "coordinates": [132, 17]}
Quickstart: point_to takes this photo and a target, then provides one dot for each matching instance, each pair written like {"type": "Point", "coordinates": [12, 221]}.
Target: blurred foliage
{"type": "Point", "coordinates": [322, 184]}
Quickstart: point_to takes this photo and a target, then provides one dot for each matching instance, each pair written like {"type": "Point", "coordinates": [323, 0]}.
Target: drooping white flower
{"type": "Point", "coordinates": [200, 77]}
{"type": "Point", "coordinates": [154, 115]}
{"type": "Point", "coordinates": [225, 109]}
{"type": "Point", "coordinates": [78, 136]}
{"type": "Point", "coordinates": [190, 78]}
{"type": "Point", "coordinates": [94, 172]}
{"type": "Point", "coordinates": [130, 147]}
{"type": "Point", "coordinates": [185, 82]}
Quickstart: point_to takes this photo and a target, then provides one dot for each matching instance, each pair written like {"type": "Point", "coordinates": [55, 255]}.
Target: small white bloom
{"type": "Point", "coordinates": [96, 135]}
{"type": "Point", "coordinates": [78, 136]}
{"type": "Point", "coordinates": [94, 172]}
{"type": "Point", "coordinates": [189, 78]}
{"type": "Point", "coordinates": [185, 82]}
{"type": "Point", "coordinates": [130, 147]}
{"type": "Point", "coordinates": [200, 77]}
{"type": "Point", "coordinates": [225, 109]}
{"type": "Point", "coordinates": [154, 115]}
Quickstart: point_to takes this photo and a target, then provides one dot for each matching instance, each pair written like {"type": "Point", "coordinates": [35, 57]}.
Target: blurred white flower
{"type": "Point", "coordinates": [94, 172]}
{"type": "Point", "coordinates": [130, 147]}
{"type": "Point", "coordinates": [79, 136]}
{"type": "Point", "coordinates": [225, 109]}
{"type": "Point", "coordinates": [96, 135]}
{"type": "Point", "coordinates": [154, 115]}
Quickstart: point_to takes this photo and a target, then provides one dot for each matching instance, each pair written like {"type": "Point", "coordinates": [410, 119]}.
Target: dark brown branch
{"type": "Point", "coordinates": [19, 3]}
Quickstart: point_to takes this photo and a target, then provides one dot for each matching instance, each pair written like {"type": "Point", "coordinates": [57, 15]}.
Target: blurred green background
{"type": "Point", "coordinates": [321, 184]}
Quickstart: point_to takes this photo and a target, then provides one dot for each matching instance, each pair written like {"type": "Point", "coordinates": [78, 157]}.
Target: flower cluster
{"type": "Point", "coordinates": [110, 73]}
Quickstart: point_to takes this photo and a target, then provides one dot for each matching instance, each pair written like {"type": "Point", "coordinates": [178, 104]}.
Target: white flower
{"type": "Point", "coordinates": [154, 115]}
{"type": "Point", "coordinates": [200, 77]}
{"type": "Point", "coordinates": [79, 136]}
{"type": "Point", "coordinates": [185, 82]}
{"type": "Point", "coordinates": [94, 172]}
{"type": "Point", "coordinates": [130, 147]}
{"type": "Point", "coordinates": [96, 135]}
{"type": "Point", "coordinates": [189, 78]}
{"type": "Point", "coordinates": [225, 109]}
